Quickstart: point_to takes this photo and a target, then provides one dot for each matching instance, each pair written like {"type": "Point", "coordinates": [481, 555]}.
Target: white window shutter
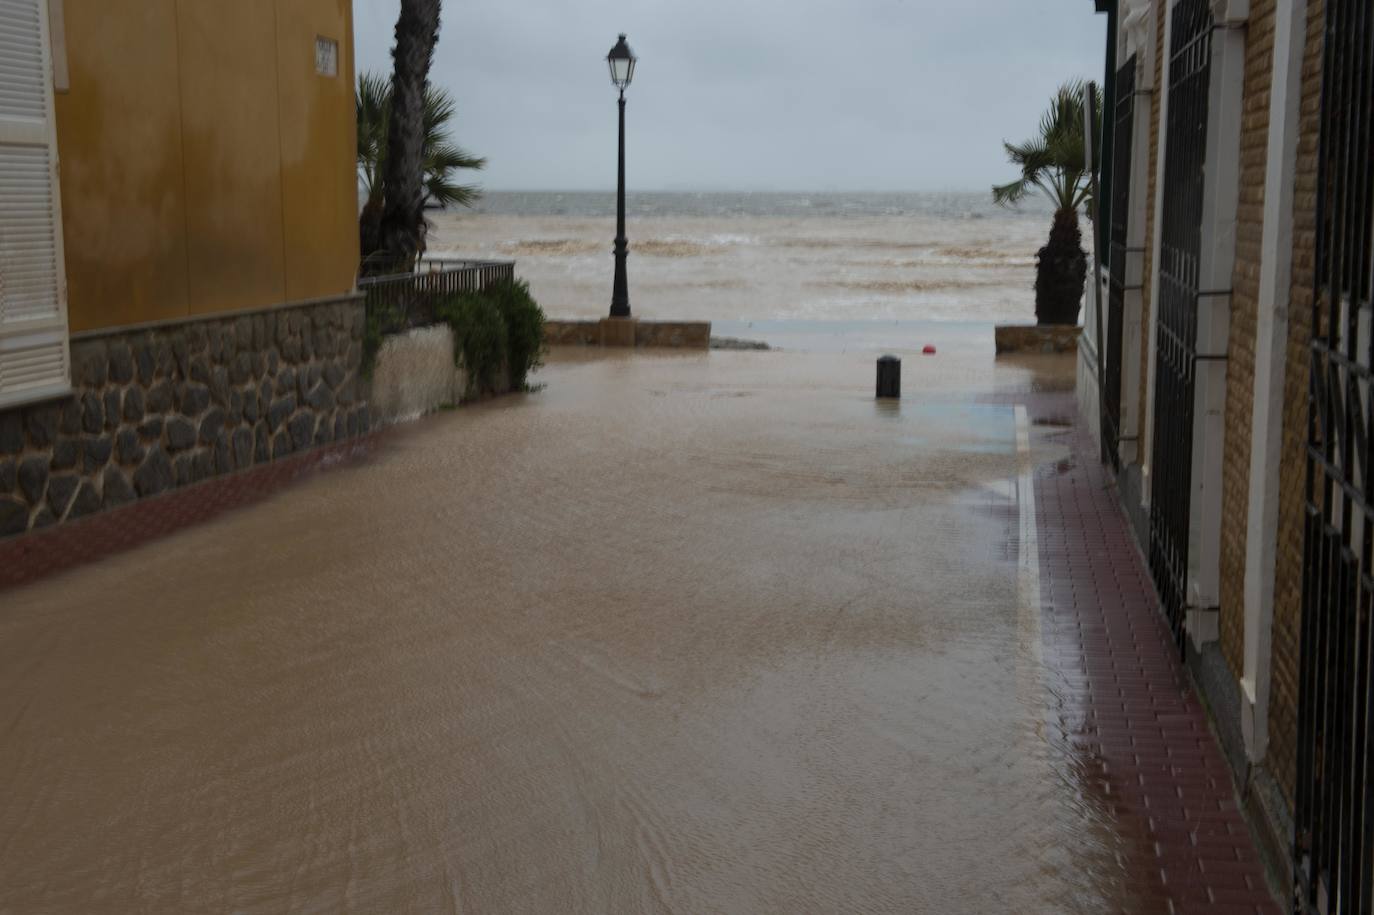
{"type": "Point", "coordinates": [34, 354]}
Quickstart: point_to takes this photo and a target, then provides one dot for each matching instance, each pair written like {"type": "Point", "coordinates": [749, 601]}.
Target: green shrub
{"type": "Point", "coordinates": [524, 328]}
{"type": "Point", "coordinates": [479, 338]}
{"type": "Point", "coordinates": [498, 329]}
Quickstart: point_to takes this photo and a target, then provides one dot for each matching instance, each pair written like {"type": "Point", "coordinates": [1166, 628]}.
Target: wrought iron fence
{"type": "Point", "coordinates": [401, 300]}
{"type": "Point", "coordinates": [1123, 128]}
{"type": "Point", "coordinates": [1190, 65]}
{"type": "Point", "coordinates": [1333, 850]}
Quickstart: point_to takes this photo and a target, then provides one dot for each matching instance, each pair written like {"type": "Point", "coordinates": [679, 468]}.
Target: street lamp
{"type": "Point", "coordinates": [622, 62]}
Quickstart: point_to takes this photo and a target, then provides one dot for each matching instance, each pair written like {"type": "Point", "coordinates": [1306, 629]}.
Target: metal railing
{"type": "Point", "coordinates": [1333, 851]}
{"type": "Point", "coordinates": [1176, 322]}
{"type": "Point", "coordinates": [403, 300]}
{"type": "Point", "coordinates": [1110, 349]}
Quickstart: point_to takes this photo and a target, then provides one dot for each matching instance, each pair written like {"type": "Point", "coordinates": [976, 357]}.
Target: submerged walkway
{"type": "Point", "coordinates": [1126, 708]}
{"type": "Point", "coordinates": [708, 632]}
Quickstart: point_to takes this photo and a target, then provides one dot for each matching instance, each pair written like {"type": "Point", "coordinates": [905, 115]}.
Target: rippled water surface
{"type": "Point", "coordinates": [680, 633]}
{"type": "Point", "coordinates": [839, 257]}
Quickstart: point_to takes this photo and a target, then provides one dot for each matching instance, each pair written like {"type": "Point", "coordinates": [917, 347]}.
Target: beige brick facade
{"type": "Point", "coordinates": [1240, 365]}
{"type": "Point", "coordinates": [1283, 702]}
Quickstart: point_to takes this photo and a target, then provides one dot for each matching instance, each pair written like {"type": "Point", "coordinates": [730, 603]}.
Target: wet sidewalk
{"type": "Point", "coordinates": [1126, 708]}
{"type": "Point", "coordinates": [707, 632]}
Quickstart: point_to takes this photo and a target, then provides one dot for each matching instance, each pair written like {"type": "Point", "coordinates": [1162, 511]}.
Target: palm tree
{"type": "Point", "coordinates": [1054, 162]}
{"type": "Point", "coordinates": [400, 230]}
{"type": "Point", "coordinates": [440, 159]}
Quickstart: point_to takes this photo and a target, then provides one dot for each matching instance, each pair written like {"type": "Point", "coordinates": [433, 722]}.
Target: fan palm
{"type": "Point", "coordinates": [1055, 163]}
{"type": "Point", "coordinates": [440, 159]}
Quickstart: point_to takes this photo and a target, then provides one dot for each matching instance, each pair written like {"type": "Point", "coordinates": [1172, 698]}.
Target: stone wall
{"type": "Point", "coordinates": [1240, 364]}
{"type": "Point", "coordinates": [167, 406]}
{"type": "Point", "coordinates": [1283, 696]}
{"type": "Point", "coordinates": [671, 334]}
{"type": "Point", "coordinates": [1036, 338]}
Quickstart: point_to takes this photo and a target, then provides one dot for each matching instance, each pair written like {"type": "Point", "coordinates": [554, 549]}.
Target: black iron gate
{"type": "Point", "coordinates": [1190, 57]}
{"type": "Point", "coordinates": [1334, 816]}
{"type": "Point", "coordinates": [1110, 348]}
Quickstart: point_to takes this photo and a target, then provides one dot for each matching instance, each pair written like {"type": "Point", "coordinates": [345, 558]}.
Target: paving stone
{"type": "Point", "coordinates": [33, 477]}
{"type": "Point", "coordinates": [302, 427]}
{"type": "Point", "coordinates": [281, 445]}
{"type": "Point", "coordinates": [128, 449]}
{"type": "Point", "coordinates": [112, 401]}
{"type": "Point", "coordinates": [279, 411]}
{"type": "Point", "coordinates": [115, 488]}
{"type": "Point", "coordinates": [211, 426]}
{"type": "Point", "coordinates": [155, 474]}
{"type": "Point", "coordinates": [159, 399]}
{"type": "Point", "coordinates": [193, 399]}
{"type": "Point", "coordinates": [95, 452]}
{"type": "Point", "coordinates": [61, 487]}
{"type": "Point", "coordinates": [151, 430]}
{"type": "Point", "coordinates": [133, 405]}
{"type": "Point", "coordinates": [181, 433]}
{"type": "Point", "coordinates": [87, 502]}
{"type": "Point", "coordinates": [41, 422]}
{"type": "Point", "coordinates": [92, 413]}
{"type": "Point", "coordinates": [242, 443]}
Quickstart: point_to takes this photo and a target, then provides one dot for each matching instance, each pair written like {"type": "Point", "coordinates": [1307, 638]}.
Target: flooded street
{"type": "Point", "coordinates": [679, 633]}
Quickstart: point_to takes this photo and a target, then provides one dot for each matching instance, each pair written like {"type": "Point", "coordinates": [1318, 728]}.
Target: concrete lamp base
{"type": "Point", "coordinates": [618, 331]}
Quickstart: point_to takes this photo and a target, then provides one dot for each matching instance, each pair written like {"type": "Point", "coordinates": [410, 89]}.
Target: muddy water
{"type": "Point", "coordinates": [708, 633]}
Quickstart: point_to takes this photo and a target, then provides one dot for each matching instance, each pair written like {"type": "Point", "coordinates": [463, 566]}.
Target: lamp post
{"type": "Point", "coordinates": [622, 62]}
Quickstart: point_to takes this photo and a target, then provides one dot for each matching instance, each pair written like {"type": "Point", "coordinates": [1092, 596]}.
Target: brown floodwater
{"type": "Point", "coordinates": [679, 633]}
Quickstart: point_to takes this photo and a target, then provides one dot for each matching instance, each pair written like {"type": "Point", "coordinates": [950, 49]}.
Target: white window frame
{"type": "Point", "coordinates": [18, 338]}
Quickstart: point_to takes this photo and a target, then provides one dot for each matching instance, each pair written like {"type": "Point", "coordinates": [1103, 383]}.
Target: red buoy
{"type": "Point", "coordinates": [929, 349]}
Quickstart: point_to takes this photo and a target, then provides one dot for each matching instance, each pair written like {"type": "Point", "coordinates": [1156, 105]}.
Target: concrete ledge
{"type": "Point", "coordinates": [414, 374]}
{"type": "Point", "coordinates": [619, 331]}
{"type": "Point", "coordinates": [593, 332]}
{"type": "Point", "coordinates": [1037, 338]}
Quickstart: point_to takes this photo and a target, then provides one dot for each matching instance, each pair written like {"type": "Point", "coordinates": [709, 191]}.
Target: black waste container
{"type": "Point", "coordinates": [889, 377]}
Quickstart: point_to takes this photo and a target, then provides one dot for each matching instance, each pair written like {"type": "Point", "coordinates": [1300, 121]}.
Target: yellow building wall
{"type": "Point", "coordinates": [319, 194]}
{"type": "Point", "coordinates": [119, 147]}
{"type": "Point", "coordinates": [206, 166]}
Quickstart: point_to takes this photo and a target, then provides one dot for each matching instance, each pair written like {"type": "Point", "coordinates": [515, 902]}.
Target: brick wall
{"type": "Point", "coordinates": [1161, 7]}
{"type": "Point", "coordinates": [1283, 700]}
{"type": "Point", "coordinates": [1240, 365]}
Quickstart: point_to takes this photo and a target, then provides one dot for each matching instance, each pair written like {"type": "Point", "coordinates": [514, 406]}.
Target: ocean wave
{"type": "Point", "coordinates": [554, 246]}
{"type": "Point", "coordinates": [833, 243]}
{"type": "Point", "coordinates": [668, 247]}
{"type": "Point", "coordinates": [897, 287]}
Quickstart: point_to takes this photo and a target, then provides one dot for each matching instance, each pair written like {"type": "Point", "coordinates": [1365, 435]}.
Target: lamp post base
{"type": "Point", "coordinates": [618, 331]}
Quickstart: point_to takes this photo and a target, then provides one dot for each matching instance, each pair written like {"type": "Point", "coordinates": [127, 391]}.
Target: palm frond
{"type": "Point", "coordinates": [440, 157]}
{"type": "Point", "coordinates": [1054, 161]}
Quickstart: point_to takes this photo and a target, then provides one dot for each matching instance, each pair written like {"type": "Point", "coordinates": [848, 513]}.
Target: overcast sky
{"type": "Point", "coordinates": [750, 94]}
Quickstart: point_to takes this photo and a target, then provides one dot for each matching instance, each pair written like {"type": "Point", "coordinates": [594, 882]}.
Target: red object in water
{"type": "Point", "coordinates": [929, 349]}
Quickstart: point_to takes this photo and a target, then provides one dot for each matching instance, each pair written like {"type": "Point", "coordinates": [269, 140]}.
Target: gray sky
{"type": "Point", "coordinates": [750, 94]}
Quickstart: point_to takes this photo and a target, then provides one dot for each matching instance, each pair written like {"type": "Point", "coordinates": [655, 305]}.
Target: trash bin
{"type": "Point", "coordinates": [889, 377]}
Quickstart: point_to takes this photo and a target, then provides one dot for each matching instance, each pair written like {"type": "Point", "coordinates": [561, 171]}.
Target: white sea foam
{"type": "Point", "coordinates": [945, 257]}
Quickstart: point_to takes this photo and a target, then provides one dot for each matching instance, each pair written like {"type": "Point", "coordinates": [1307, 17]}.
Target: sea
{"type": "Point", "coordinates": [757, 260]}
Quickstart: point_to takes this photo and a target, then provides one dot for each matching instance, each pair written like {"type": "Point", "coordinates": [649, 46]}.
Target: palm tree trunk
{"type": "Point", "coordinates": [1061, 268]}
{"type": "Point", "coordinates": [401, 234]}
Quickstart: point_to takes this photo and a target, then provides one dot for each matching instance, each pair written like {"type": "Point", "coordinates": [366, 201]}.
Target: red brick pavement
{"type": "Point", "coordinates": [1129, 707]}
{"type": "Point", "coordinates": [37, 555]}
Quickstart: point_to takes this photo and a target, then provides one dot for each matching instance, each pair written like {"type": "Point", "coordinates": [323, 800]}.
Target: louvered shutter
{"type": "Point", "coordinates": [34, 357]}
